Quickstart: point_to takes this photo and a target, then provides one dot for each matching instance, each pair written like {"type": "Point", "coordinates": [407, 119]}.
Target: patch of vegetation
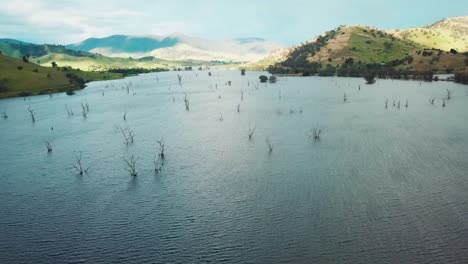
{"type": "Point", "coordinates": [33, 79]}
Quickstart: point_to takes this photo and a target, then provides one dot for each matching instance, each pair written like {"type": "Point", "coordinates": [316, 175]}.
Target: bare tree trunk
{"type": "Point", "coordinates": [131, 166]}
{"type": "Point", "coordinates": [33, 114]}
{"type": "Point", "coordinates": [79, 166]}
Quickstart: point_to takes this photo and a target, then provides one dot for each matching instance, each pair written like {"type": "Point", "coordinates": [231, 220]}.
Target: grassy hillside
{"type": "Point", "coordinates": [446, 34]}
{"type": "Point", "coordinates": [354, 50]}
{"type": "Point", "coordinates": [372, 46]}
{"type": "Point", "coordinates": [19, 78]}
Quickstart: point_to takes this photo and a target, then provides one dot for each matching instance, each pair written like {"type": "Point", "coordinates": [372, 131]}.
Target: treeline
{"type": "Point", "coordinates": [350, 68]}
{"type": "Point", "coordinates": [297, 61]}
{"type": "Point", "coordinates": [461, 77]}
{"type": "Point", "coordinates": [134, 71]}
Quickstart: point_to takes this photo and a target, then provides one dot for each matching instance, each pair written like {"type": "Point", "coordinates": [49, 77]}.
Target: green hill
{"type": "Point", "coordinates": [446, 34]}
{"type": "Point", "coordinates": [20, 78]}
{"type": "Point", "coordinates": [354, 50]}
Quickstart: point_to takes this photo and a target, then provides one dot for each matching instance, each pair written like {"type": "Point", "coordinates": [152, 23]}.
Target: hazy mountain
{"type": "Point", "coordinates": [178, 47]}
{"type": "Point", "coordinates": [45, 54]}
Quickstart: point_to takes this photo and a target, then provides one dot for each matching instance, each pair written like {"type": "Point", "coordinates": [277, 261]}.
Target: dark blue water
{"type": "Point", "coordinates": [381, 185]}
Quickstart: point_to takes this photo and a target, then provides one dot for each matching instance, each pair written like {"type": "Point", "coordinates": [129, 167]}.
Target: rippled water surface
{"type": "Point", "coordinates": [381, 185]}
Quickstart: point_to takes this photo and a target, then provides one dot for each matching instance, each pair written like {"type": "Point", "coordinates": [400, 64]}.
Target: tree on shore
{"type": "Point", "coordinates": [370, 77]}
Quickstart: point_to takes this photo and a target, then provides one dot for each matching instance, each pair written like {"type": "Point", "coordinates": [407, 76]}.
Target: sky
{"type": "Point", "coordinates": [285, 22]}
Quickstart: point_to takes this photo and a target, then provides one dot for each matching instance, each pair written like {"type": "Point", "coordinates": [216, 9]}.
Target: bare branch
{"type": "Point", "coordinates": [48, 145]}
{"type": "Point", "coordinates": [79, 166]}
{"type": "Point", "coordinates": [131, 166]}
{"type": "Point", "coordinates": [251, 132]}
{"type": "Point", "coordinates": [33, 114]}
{"type": "Point", "coordinates": [269, 144]}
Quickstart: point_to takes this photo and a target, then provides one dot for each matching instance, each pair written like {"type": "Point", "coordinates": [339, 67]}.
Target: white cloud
{"type": "Point", "coordinates": [73, 22]}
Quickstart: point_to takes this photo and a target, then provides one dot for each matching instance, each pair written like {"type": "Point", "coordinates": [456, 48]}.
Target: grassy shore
{"type": "Point", "coordinates": [20, 78]}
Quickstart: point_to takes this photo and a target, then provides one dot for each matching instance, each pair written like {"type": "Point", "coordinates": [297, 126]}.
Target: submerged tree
{"type": "Point", "coordinates": [4, 115]}
{"type": "Point", "coordinates": [32, 113]}
{"type": "Point", "coordinates": [316, 133]}
{"type": "Point", "coordinates": [69, 111]}
{"type": "Point", "coordinates": [269, 144]}
{"type": "Point", "coordinates": [251, 132]}
{"type": "Point", "coordinates": [48, 146]}
{"type": "Point", "coordinates": [272, 79]}
{"type": "Point", "coordinates": [263, 78]}
{"type": "Point", "coordinates": [131, 166]}
{"type": "Point", "coordinates": [449, 94]}
{"type": "Point", "coordinates": [79, 166]}
{"type": "Point", "coordinates": [128, 134]}
{"type": "Point", "coordinates": [161, 148]}
{"type": "Point", "coordinates": [187, 103]}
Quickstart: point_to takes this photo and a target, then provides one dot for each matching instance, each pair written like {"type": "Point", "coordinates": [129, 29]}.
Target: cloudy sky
{"type": "Point", "coordinates": [286, 22]}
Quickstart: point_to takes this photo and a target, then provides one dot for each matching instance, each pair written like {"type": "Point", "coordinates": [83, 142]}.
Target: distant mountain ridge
{"type": "Point", "coordinates": [178, 47]}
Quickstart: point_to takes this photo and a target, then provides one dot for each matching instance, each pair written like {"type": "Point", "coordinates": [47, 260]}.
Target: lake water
{"type": "Point", "coordinates": [380, 186]}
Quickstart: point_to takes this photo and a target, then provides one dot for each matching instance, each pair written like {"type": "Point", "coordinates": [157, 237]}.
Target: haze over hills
{"type": "Point", "coordinates": [45, 54]}
{"type": "Point", "coordinates": [178, 47]}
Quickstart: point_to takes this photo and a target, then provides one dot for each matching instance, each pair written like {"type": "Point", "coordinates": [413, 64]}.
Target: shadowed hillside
{"type": "Point", "coordinates": [22, 78]}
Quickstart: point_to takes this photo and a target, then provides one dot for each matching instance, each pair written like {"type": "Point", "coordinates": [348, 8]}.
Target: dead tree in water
{"type": "Point", "coordinates": [443, 102]}
{"type": "Point", "coordinates": [398, 104]}
{"type": "Point", "coordinates": [69, 111]}
{"type": "Point", "coordinates": [84, 110]}
{"type": "Point", "coordinates": [187, 103]}
{"type": "Point", "coordinates": [125, 116]}
{"type": "Point", "coordinates": [158, 164]}
{"type": "Point", "coordinates": [131, 166]}
{"type": "Point", "coordinates": [386, 103]}
{"type": "Point", "coordinates": [238, 108]}
{"type": "Point", "coordinates": [79, 167]}
{"type": "Point", "coordinates": [449, 94]}
{"type": "Point", "coordinates": [316, 133]}
{"type": "Point", "coordinates": [431, 100]}
{"type": "Point", "coordinates": [4, 114]}
{"type": "Point", "coordinates": [33, 114]}
{"type": "Point", "coordinates": [128, 135]}
{"type": "Point", "coordinates": [406, 104]}
{"type": "Point", "coordinates": [269, 144]}
{"type": "Point", "coordinates": [48, 146]}
{"type": "Point", "coordinates": [345, 98]}
{"type": "Point", "coordinates": [251, 132]}
{"type": "Point", "coordinates": [242, 95]}
{"type": "Point", "coordinates": [161, 148]}
{"type": "Point", "coordinates": [85, 107]}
